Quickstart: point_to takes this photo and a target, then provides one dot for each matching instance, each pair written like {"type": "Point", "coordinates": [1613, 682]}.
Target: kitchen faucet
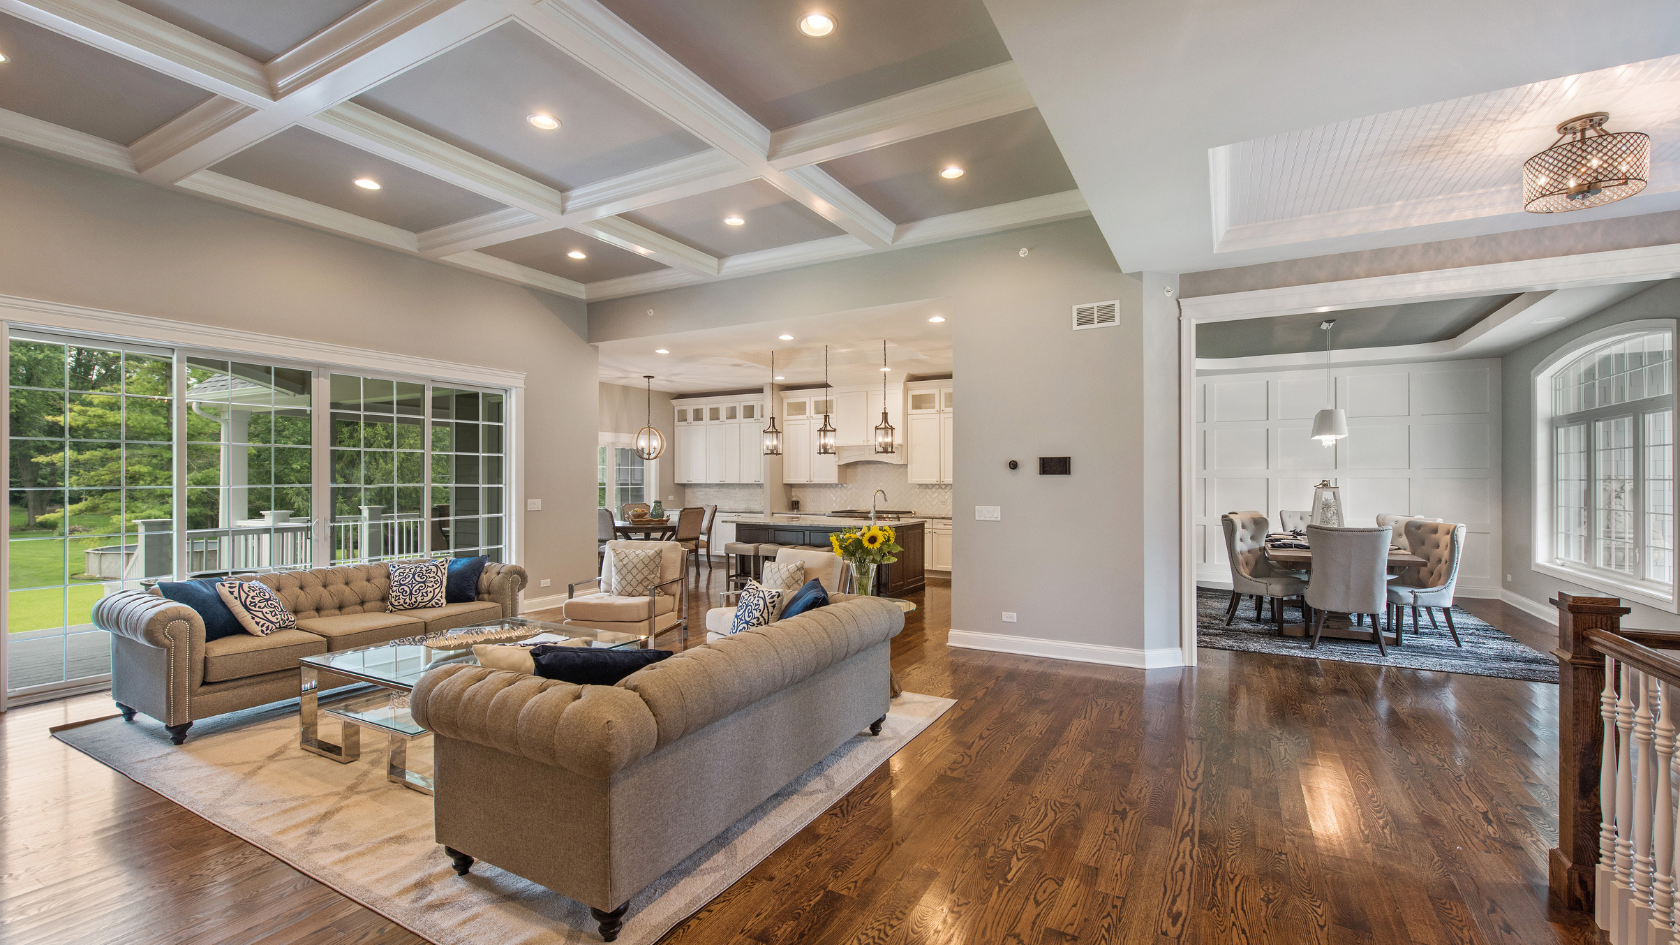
{"type": "Point", "coordinates": [880, 492]}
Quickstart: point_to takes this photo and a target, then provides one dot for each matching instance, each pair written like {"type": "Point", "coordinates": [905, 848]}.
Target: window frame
{"type": "Point", "coordinates": [1663, 596]}
{"type": "Point", "coordinates": [650, 468]}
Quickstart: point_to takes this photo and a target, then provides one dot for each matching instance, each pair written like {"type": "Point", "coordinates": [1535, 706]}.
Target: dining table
{"type": "Point", "coordinates": [1336, 626]}
{"type": "Point", "coordinates": [654, 530]}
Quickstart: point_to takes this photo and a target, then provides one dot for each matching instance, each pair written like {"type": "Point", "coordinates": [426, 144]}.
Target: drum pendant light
{"type": "Point", "coordinates": [1594, 167]}
{"type": "Point", "coordinates": [826, 433]}
{"type": "Point", "coordinates": [772, 436]}
{"type": "Point", "coordinates": [884, 430]}
{"type": "Point", "coordinates": [650, 443]}
{"type": "Point", "coordinates": [1330, 424]}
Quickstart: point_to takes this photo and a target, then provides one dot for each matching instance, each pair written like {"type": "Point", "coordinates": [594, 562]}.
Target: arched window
{"type": "Point", "coordinates": [1607, 411]}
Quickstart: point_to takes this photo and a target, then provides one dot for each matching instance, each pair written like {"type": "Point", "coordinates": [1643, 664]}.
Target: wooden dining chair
{"type": "Point", "coordinates": [705, 542]}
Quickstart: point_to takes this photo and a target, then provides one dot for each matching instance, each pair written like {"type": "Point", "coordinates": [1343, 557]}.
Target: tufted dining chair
{"type": "Point", "coordinates": [1252, 573]}
{"type": "Point", "coordinates": [1349, 575]}
{"type": "Point", "coordinates": [1441, 545]}
{"type": "Point", "coordinates": [1397, 521]}
{"type": "Point", "coordinates": [1291, 521]}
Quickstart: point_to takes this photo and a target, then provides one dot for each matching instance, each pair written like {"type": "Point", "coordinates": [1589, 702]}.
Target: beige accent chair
{"type": "Point", "coordinates": [1252, 573]}
{"type": "Point", "coordinates": [650, 614]}
{"type": "Point", "coordinates": [645, 772]}
{"type": "Point", "coordinates": [1431, 585]}
{"type": "Point", "coordinates": [1397, 521]}
{"type": "Point", "coordinates": [162, 665]}
{"type": "Point", "coordinates": [1292, 521]}
{"type": "Point", "coordinates": [1349, 575]}
{"type": "Point", "coordinates": [833, 571]}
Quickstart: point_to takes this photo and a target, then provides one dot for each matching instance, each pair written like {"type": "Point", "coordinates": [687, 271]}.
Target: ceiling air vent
{"type": "Point", "coordinates": [1096, 315]}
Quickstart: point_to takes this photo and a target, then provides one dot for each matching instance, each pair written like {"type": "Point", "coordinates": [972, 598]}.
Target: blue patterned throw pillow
{"type": "Point", "coordinates": [258, 609]}
{"type": "Point", "coordinates": [757, 607]}
{"type": "Point", "coordinates": [417, 584]}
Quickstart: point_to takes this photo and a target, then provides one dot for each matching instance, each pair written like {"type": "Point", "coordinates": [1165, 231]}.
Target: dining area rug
{"type": "Point", "coordinates": [372, 840]}
{"type": "Point", "coordinates": [1487, 651]}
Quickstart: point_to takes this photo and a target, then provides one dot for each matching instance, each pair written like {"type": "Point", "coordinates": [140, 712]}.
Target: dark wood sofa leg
{"type": "Point", "coordinates": [611, 922]}
{"type": "Point", "coordinates": [875, 726]}
{"type": "Point", "coordinates": [127, 712]}
{"type": "Point", "coordinates": [178, 733]}
{"type": "Point", "coordinates": [459, 860]}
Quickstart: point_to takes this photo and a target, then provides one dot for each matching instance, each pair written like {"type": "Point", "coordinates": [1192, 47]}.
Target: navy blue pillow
{"type": "Point", "coordinates": [588, 666]}
{"type": "Point", "coordinates": [201, 596]}
{"type": "Point", "coordinates": [809, 597]}
{"type": "Point", "coordinates": [462, 585]}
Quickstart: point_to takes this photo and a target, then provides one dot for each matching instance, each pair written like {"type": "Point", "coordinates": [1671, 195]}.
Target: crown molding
{"type": "Point", "coordinates": [995, 219]}
{"type": "Point", "coordinates": [297, 210]}
{"type": "Point", "coordinates": [58, 141]}
{"type": "Point", "coordinates": [641, 283]}
{"type": "Point", "coordinates": [497, 226]}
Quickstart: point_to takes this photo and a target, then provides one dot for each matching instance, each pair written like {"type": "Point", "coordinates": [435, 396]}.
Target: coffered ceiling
{"type": "Point", "coordinates": [672, 116]}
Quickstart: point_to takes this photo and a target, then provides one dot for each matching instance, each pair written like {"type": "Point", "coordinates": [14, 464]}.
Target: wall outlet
{"type": "Point", "coordinates": [988, 513]}
{"type": "Point", "coordinates": [533, 505]}
{"type": "Point", "coordinates": [544, 582]}
{"type": "Point", "coordinates": [1507, 579]}
{"type": "Point", "coordinates": [1009, 616]}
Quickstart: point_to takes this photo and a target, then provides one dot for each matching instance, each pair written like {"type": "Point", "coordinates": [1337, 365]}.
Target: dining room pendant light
{"type": "Point", "coordinates": [650, 443]}
{"type": "Point", "coordinates": [1330, 424]}
{"type": "Point", "coordinates": [772, 436]}
{"type": "Point", "coordinates": [884, 429]}
{"type": "Point", "coordinates": [826, 433]}
{"type": "Point", "coordinates": [1594, 167]}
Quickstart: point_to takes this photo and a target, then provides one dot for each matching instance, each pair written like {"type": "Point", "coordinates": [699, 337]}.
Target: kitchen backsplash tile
{"type": "Point", "coordinates": [742, 497]}
{"type": "Point", "coordinates": [858, 481]}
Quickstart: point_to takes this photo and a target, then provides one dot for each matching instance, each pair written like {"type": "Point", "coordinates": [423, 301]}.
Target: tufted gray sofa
{"type": "Point", "coordinates": [162, 665]}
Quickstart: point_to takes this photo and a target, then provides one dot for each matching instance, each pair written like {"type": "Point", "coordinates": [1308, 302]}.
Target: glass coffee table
{"type": "Point", "coordinates": [395, 667]}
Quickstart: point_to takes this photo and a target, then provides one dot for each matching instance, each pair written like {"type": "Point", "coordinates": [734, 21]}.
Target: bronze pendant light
{"type": "Point", "coordinates": [650, 443]}
{"type": "Point", "coordinates": [884, 429]}
{"type": "Point", "coordinates": [772, 436]}
{"type": "Point", "coordinates": [826, 433]}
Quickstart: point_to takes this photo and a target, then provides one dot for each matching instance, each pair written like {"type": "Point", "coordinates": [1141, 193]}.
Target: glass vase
{"type": "Point", "coordinates": [863, 578]}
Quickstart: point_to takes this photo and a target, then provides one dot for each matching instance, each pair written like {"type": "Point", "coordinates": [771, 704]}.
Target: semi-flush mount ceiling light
{"type": "Point", "coordinates": [733, 221]}
{"type": "Point", "coordinates": [650, 443]}
{"type": "Point", "coordinates": [367, 183]}
{"type": "Point", "coordinates": [1593, 168]}
{"type": "Point", "coordinates": [826, 433]}
{"type": "Point", "coordinates": [951, 173]}
{"type": "Point", "coordinates": [545, 122]}
{"type": "Point", "coordinates": [884, 429]}
{"type": "Point", "coordinates": [816, 24]}
{"type": "Point", "coordinates": [578, 254]}
{"type": "Point", "coordinates": [772, 436]}
{"type": "Point", "coordinates": [1330, 424]}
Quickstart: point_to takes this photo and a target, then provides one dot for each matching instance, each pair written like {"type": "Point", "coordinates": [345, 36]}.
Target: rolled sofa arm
{"type": "Point", "coordinates": [593, 731]}
{"type": "Point", "coordinates": [149, 619]}
{"type": "Point", "coordinates": [502, 583]}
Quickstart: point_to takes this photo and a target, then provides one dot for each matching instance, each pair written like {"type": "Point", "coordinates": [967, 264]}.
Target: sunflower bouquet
{"type": "Point", "coordinates": [866, 547]}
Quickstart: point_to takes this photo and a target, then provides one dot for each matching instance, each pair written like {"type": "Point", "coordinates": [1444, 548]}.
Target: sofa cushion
{"type": "Point", "coordinates": [718, 620]}
{"type": "Point", "coordinates": [244, 654]}
{"type": "Point", "coordinates": [462, 586]}
{"type": "Point", "coordinates": [613, 607]}
{"type": "Point", "coordinates": [589, 666]}
{"type": "Point", "coordinates": [450, 616]}
{"type": "Point", "coordinates": [639, 628]}
{"type": "Point", "coordinates": [202, 597]}
{"type": "Point", "coordinates": [348, 631]}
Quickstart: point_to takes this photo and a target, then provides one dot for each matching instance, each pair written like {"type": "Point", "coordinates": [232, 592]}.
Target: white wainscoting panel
{"type": "Point", "coordinates": [1423, 439]}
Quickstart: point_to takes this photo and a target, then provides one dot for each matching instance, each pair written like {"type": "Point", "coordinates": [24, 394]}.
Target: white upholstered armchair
{"type": "Point", "coordinates": [663, 606]}
{"type": "Point", "coordinates": [1252, 573]}
{"type": "Point", "coordinates": [827, 567]}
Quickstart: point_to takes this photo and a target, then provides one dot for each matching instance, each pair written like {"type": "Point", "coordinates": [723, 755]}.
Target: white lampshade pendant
{"type": "Point", "coordinates": [1330, 424]}
{"type": "Point", "coordinates": [650, 443]}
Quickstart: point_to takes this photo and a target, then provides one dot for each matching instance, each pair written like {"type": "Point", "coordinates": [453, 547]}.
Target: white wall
{"type": "Point", "coordinates": [1423, 439]}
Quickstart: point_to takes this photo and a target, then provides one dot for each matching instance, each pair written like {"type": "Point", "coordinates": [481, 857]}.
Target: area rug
{"type": "Point", "coordinates": [371, 839]}
{"type": "Point", "coordinates": [1486, 650]}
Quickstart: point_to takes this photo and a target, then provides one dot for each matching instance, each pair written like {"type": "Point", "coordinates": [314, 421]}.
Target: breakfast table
{"type": "Point", "coordinates": [1337, 626]}
{"type": "Point", "coordinates": [651, 530]}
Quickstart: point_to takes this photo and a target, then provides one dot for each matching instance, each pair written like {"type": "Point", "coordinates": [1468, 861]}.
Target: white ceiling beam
{"type": "Point", "coordinates": [489, 229]}
{"type": "Point", "coordinates": [961, 100]}
{"type": "Point", "coordinates": [641, 283]}
{"type": "Point", "coordinates": [199, 126]}
{"type": "Point", "coordinates": [829, 199]}
{"type": "Point", "coordinates": [515, 273]}
{"type": "Point", "coordinates": [44, 136]}
{"type": "Point", "coordinates": [995, 219]}
{"type": "Point", "coordinates": [273, 203]}
{"type": "Point", "coordinates": [645, 242]}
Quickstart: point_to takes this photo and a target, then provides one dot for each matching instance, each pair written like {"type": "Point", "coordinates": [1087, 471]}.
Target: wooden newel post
{"type": "Point", "coordinates": [1580, 745]}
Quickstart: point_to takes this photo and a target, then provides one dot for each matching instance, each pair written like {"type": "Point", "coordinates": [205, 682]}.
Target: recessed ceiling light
{"type": "Point", "coordinates": [785, 337]}
{"type": "Point", "coordinates": [951, 173]}
{"type": "Point", "coordinates": [733, 221]}
{"type": "Point", "coordinates": [937, 318]}
{"type": "Point", "coordinates": [367, 183]}
{"type": "Point", "coordinates": [545, 122]}
{"type": "Point", "coordinates": [661, 351]}
{"type": "Point", "coordinates": [578, 254]}
{"type": "Point", "coordinates": [3, 58]}
{"type": "Point", "coordinates": [780, 378]}
{"type": "Point", "coordinates": [885, 369]}
{"type": "Point", "coordinates": [816, 24]}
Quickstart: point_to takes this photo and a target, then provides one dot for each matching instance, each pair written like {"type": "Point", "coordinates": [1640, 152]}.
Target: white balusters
{"type": "Point", "coordinates": [1644, 782]}
{"type": "Point", "coordinates": [1624, 807]}
{"type": "Point", "coordinates": [1662, 880]}
{"type": "Point", "coordinates": [1606, 875]}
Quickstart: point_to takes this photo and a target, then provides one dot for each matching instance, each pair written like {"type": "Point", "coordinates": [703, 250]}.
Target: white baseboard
{"type": "Point", "coordinates": [1545, 612]}
{"type": "Point", "coordinates": [534, 604]}
{"type": "Point", "coordinates": [1062, 650]}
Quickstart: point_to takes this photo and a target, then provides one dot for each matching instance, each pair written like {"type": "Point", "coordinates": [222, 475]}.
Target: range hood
{"type": "Point", "coordinates": [847, 455]}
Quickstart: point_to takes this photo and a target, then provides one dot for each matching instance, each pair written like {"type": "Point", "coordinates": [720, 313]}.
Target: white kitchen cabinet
{"type": "Point", "coordinates": [717, 447]}
{"type": "Point", "coordinates": [751, 452]}
{"type": "Point", "coordinates": [851, 419]}
{"type": "Point", "coordinates": [939, 546]}
{"type": "Point", "coordinates": [691, 453]}
{"type": "Point", "coordinates": [929, 427]}
{"type": "Point", "coordinates": [922, 443]}
{"type": "Point", "coordinates": [797, 450]}
{"type": "Point", "coordinates": [947, 456]}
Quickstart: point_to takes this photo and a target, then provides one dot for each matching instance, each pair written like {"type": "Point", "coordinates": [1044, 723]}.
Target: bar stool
{"type": "Point", "coordinates": [766, 552]}
{"type": "Point", "coordinates": [741, 561]}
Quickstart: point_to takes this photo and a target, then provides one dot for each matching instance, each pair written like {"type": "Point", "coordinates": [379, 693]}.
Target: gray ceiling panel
{"type": "Point", "coordinates": [317, 168]}
{"type": "Point", "coordinates": [1380, 327]}
{"type": "Point", "coordinates": [1008, 158]}
{"type": "Point", "coordinates": [771, 217]}
{"type": "Point", "coordinates": [56, 79]}
{"type": "Point", "coordinates": [260, 30]}
{"type": "Point", "coordinates": [753, 52]}
{"type": "Point", "coordinates": [547, 252]}
{"type": "Point", "coordinates": [477, 97]}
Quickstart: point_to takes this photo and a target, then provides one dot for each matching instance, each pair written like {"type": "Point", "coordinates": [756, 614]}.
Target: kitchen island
{"type": "Point", "coordinates": [904, 576]}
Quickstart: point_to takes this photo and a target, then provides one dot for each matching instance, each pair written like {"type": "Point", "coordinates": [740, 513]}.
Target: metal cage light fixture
{"type": "Point", "coordinates": [1594, 167]}
{"type": "Point", "coordinates": [650, 443]}
{"type": "Point", "coordinates": [772, 436]}
{"type": "Point", "coordinates": [1330, 424]}
{"type": "Point", "coordinates": [884, 429]}
{"type": "Point", "coordinates": [826, 433]}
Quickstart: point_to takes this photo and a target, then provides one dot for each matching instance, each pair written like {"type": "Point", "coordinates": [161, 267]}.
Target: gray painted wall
{"type": "Point", "coordinates": [1659, 301]}
{"type": "Point", "coordinates": [88, 238]}
{"type": "Point", "coordinates": [1090, 559]}
{"type": "Point", "coordinates": [625, 410]}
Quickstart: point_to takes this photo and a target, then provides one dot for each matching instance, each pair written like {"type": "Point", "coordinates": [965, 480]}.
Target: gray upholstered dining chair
{"type": "Point", "coordinates": [1349, 575]}
{"type": "Point", "coordinates": [1397, 521]}
{"type": "Point", "coordinates": [1252, 573]}
{"type": "Point", "coordinates": [705, 542]}
{"type": "Point", "coordinates": [604, 531]}
{"type": "Point", "coordinates": [1292, 521]}
{"type": "Point", "coordinates": [1429, 585]}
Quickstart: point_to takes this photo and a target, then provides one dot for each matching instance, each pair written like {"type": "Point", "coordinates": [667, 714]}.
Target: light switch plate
{"type": "Point", "coordinates": [988, 513]}
{"type": "Point", "coordinates": [1009, 616]}
{"type": "Point", "coordinates": [533, 505]}
{"type": "Point", "coordinates": [545, 582]}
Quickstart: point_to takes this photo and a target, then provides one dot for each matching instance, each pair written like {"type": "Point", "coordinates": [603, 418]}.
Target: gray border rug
{"type": "Point", "coordinates": [1486, 652]}
{"type": "Point", "coordinates": [371, 839]}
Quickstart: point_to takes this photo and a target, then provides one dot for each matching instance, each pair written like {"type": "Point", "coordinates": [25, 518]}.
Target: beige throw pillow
{"type": "Point", "coordinates": [634, 570]}
{"type": "Point", "coordinates": [784, 576]}
{"type": "Point", "coordinates": [514, 659]}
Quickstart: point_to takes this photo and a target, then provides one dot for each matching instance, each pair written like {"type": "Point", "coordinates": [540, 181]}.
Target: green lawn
{"type": "Point", "coordinates": [37, 558]}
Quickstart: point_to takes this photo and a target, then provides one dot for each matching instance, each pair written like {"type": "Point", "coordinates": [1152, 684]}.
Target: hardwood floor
{"type": "Point", "coordinates": [1253, 799]}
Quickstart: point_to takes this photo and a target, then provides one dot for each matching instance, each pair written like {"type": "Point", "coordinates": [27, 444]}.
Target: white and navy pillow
{"type": "Point", "coordinates": [417, 584]}
{"type": "Point", "coordinates": [634, 570]}
{"type": "Point", "coordinates": [757, 608]}
{"type": "Point", "coordinates": [784, 576]}
{"type": "Point", "coordinates": [258, 609]}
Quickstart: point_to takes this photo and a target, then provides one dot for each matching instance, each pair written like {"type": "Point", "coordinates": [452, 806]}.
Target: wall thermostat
{"type": "Point", "coordinates": [1055, 465]}
{"type": "Point", "coordinates": [1014, 465]}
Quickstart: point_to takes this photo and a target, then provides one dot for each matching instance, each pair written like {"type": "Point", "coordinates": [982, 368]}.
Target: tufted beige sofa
{"type": "Point", "coordinates": [597, 791]}
{"type": "Point", "coordinates": [162, 665]}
